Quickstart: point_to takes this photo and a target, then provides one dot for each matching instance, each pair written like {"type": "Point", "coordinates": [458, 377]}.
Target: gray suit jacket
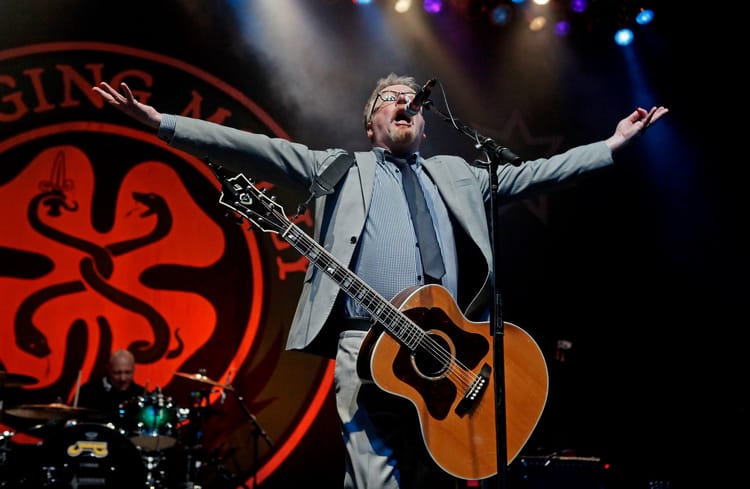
{"type": "Point", "coordinates": [464, 188]}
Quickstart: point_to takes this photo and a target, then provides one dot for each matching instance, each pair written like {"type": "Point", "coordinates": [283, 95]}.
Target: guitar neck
{"type": "Point", "coordinates": [381, 309]}
{"type": "Point", "coordinates": [243, 197]}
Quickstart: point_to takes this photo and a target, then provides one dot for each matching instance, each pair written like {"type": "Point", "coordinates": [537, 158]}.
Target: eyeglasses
{"type": "Point", "coordinates": [388, 96]}
{"type": "Point", "coordinates": [393, 95]}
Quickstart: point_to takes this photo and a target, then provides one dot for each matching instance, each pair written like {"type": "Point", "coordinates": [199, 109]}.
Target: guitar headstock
{"type": "Point", "coordinates": [240, 194]}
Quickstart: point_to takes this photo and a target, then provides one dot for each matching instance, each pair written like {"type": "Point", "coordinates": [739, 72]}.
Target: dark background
{"type": "Point", "coordinates": [639, 267]}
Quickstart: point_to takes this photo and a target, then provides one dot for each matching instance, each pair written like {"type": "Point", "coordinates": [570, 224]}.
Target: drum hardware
{"type": "Point", "coordinates": [43, 420]}
{"type": "Point", "coordinates": [17, 469]}
{"type": "Point", "coordinates": [202, 378]}
{"type": "Point", "coordinates": [203, 408]}
{"type": "Point", "coordinates": [54, 411]}
{"type": "Point", "coordinates": [5, 436]}
{"type": "Point", "coordinates": [156, 474]}
{"type": "Point", "coordinates": [152, 420]}
{"type": "Point", "coordinates": [164, 436]}
{"type": "Point", "coordinates": [258, 431]}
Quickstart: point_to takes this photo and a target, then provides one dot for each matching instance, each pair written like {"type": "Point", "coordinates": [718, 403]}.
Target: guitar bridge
{"type": "Point", "coordinates": [475, 391]}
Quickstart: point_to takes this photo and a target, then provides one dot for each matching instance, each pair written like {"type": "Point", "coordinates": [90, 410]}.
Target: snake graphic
{"type": "Point", "coordinates": [96, 268]}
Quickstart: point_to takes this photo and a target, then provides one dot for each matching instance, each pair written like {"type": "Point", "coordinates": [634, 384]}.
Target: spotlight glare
{"type": "Point", "coordinates": [537, 23]}
{"type": "Point", "coordinates": [562, 28]}
{"type": "Point", "coordinates": [623, 37]}
{"type": "Point", "coordinates": [500, 15]}
{"type": "Point", "coordinates": [432, 6]}
{"type": "Point", "coordinates": [402, 6]}
{"type": "Point", "coordinates": [578, 6]}
{"type": "Point", "coordinates": [644, 16]}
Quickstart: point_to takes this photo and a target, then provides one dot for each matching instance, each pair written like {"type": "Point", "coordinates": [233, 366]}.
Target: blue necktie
{"type": "Point", "coordinates": [429, 249]}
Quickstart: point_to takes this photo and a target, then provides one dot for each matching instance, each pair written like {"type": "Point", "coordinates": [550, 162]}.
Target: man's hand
{"type": "Point", "coordinates": [634, 125]}
{"type": "Point", "coordinates": [126, 103]}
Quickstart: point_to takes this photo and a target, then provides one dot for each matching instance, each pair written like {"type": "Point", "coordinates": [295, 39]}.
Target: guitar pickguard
{"type": "Point", "coordinates": [425, 373]}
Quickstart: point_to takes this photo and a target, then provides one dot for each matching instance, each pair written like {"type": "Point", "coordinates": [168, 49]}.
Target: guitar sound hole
{"type": "Point", "coordinates": [433, 356]}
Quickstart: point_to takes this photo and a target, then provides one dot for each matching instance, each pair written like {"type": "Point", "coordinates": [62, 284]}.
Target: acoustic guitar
{"type": "Point", "coordinates": [422, 348]}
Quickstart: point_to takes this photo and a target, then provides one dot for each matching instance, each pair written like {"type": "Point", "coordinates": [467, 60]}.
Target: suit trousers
{"type": "Point", "coordinates": [382, 437]}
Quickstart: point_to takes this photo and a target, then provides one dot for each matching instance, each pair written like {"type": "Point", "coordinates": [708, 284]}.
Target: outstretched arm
{"type": "Point", "coordinates": [126, 103]}
{"type": "Point", "coordinates": [633, 125]}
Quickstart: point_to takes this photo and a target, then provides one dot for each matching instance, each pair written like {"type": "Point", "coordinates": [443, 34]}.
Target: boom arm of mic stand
{"type": "Point", "coordinates": [258, 428]}
{"type": "Point", "coordinates": [498, 154]}
{"type": "Point", "coordinates": [258, 431]}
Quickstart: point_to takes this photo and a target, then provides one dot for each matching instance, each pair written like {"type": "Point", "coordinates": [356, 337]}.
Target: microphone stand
{"type": "Point", "coordinates": [258, 430]}
{"type": "Point", "coordinates": [498, 155]}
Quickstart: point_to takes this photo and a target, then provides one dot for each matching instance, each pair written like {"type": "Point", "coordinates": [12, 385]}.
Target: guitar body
{"type": "Point", "coordinates": [458, 429]}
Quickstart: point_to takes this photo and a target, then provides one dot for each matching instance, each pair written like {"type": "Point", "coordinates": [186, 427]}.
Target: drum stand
{"type": "Point", "coordinates": [258, 432]}
{"type": "Point", "coordinates": [5, 437]}
{"type": "Point", "coordinates": [193, 444]}
{"type": "Point", "coordinates": [203, 404]}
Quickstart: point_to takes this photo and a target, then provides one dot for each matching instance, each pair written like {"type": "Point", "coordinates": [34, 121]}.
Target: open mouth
{"type": "Point", "coordinates": [402, 118]}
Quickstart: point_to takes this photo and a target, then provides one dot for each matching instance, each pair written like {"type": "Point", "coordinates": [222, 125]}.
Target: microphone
{"type": "Point", "coordinates": [420, 99]}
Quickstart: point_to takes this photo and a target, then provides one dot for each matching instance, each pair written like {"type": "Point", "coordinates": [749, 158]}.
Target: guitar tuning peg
{"type": "Point", "coordinates": [237, 219]}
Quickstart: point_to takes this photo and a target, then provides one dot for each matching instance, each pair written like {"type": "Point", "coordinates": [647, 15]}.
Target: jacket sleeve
{"type": "Point", "coordinates": [254, 154]}
{"type": "Point", "coordinates": [537, 176]}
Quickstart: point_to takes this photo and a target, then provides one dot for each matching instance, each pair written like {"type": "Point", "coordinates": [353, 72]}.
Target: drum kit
{"type": "Point", "coordinates": [154, 443]}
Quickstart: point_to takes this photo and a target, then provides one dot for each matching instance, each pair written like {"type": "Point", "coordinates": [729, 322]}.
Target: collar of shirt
{"type": "Point", "coordinates": [383, 155]}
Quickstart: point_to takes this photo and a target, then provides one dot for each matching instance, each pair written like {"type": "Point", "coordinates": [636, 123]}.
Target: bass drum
{"type": "Point", "coordinates": [152, 421]}
{"type": "Point", "coordinates": [90, 455]}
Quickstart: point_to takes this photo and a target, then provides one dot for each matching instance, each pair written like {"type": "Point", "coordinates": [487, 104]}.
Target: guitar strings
{"type": "Point", "coordinates": [462, 374]}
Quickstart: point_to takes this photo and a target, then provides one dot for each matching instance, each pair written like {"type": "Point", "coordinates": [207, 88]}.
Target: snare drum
{"type": "Point", "coordinates": [90, 455]}
{"type": "Point", "coordinates": [151, 421]}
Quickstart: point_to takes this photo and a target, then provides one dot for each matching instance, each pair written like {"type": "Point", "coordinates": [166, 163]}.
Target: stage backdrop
{"type": "Point", "coordinates": [111, 239]}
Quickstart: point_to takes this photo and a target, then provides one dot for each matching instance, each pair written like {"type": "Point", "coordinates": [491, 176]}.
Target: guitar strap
{"type": "Point", "coordinates": [324, 183]}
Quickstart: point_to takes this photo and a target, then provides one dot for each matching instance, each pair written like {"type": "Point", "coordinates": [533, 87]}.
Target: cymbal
{"type": "Point", "coordinates": [203, 379]}
{"type": "Point", "coordinates": [8, 379]}
{"type": "Point", "coordinates": [52, 411]}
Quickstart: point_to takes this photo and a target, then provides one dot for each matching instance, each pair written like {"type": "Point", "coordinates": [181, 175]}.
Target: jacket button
{"type": "Point", "coordinates": [353, 240]}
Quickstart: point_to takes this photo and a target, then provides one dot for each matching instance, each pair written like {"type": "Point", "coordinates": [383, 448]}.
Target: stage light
{"type": "Point", "coordinates": [645, 16]}
{"type": "Point", "coordinates": [500, 15]}
{"type": "Point", "coordinates": [562, 28]}
{"type": "Point", "coordinates": [537, 23]}
{"type": "Point", "coordinates": [432, 6]}
{"type": "Point", "coordinates": [567, 18]}
{"type": "Point", "coordinates": [402, 6]}
{"type": "Point", "coordinates": [578, 6]}
{"type": "Point", "coordinates": [623, 37]}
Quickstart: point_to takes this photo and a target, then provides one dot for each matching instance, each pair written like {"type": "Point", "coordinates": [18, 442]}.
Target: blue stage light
{"type": "Point", "coordinates": [644, 16]}
{"type": "Point", "coordinates": [623, 37]}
